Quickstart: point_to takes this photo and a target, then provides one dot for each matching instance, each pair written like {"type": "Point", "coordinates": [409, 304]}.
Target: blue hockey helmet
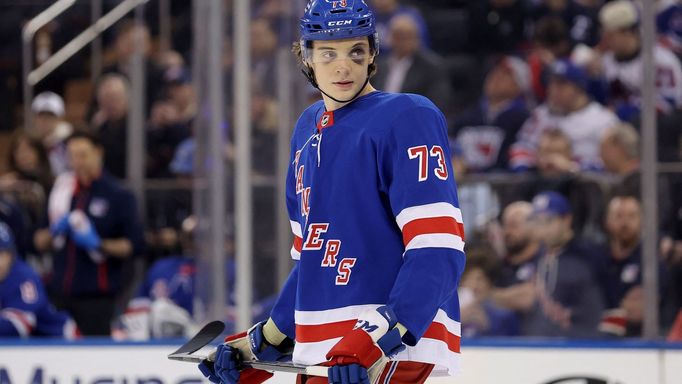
{"type": "Point", "coordinates": [338, 19]}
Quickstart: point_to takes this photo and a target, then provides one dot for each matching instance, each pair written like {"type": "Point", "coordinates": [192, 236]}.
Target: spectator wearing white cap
{"type": "Point", "coordinates": [486, 130]}
{"type": "Point", "coordinates": [623, 65]}
{"type": "Point", "coordinates": [50, 129]}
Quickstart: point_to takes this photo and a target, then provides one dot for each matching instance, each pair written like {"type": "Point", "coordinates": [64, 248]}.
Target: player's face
{"type": "Point", "coordinates": [5, 263]}
{"type": "Point", "coordinates": [341, 66]}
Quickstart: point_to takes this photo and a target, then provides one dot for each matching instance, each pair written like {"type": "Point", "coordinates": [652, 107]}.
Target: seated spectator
{"type": "Point", "coordinates": [621, 156]}
{"type": "Point", "coordinates": [170, 123]}
{"type": "Point", "coordinates": [569, 109]}
{"type": "Point", "coordinates": [582, 21]}
{"type": "Point", "coordinates": [481, 316]}
{"type": "Point", "coordinates": [556, 171]}
{"type": "Point", "coordinates": [111, 122]}
{"type": "Point", "coordinates": [264, 55]}
{"type": "Point", "coordinates": [515, 283]}
{"type": "Point", "coordinates": [619, 268]}
{"type": "Point", "coordinates": [24, 307]}
{"type": "Point", "coordinates": [551, 42]}
{"type": "Point", "coordinates": [569, 299]}
{"type": "Point", "coordinates": [486, 131]}
{"type": "Point", "coordinates": [164, 304]}
{"type": "Point", "coordinates": [669, 27]}
{"type": "Point", "coordinates": [410, 67]}
{"type": "Point", "coordinates": [622, 63]}
{"type": "Point", "coordinates": [386, 10]}
{"type": "Point", "coordinates": [50, 129]}
{"type": "Point", "coordinates": [128, 35]}
{"type": "Point", "coordinates": [15, 216]}
{"type": "Point", "coordinates": [27, 160]}
{"type": "Point", "coordinates": [94, 229]}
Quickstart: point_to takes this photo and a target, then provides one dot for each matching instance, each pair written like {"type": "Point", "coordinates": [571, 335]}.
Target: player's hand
{"type": "Point", "coordinates": [226, 366]}
{"type": "Point", "coordinates": [360, 356]}
{"type": "Point", "coordinates": [83, 232]}
{"type": "Point", "coordinates": [61, 227]}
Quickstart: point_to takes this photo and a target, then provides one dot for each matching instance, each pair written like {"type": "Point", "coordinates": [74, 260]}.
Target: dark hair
{"type": "Point", "coordinates": [81, 134]}
{"type": "Point", "coordinates": [551, 31]}
{"type": "Point", "coordinates": [42, 175]}
{"type": "Point", "coordinates": [483, 256]}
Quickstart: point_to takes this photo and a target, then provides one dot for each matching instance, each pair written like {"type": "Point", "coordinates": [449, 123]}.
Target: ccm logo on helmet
{"type": "Point", "coordinates": [338, 23]}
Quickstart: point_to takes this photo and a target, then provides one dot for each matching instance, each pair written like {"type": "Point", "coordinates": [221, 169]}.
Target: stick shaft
{"type": "Point", "coordinates": [313, 370]}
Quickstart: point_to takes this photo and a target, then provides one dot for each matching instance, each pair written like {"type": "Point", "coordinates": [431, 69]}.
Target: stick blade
{"type": "Point", "coordinates": [209, 332]}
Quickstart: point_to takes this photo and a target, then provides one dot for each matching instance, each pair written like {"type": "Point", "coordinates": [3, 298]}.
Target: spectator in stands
{"type": "Point", "coordinates": [128, 36]}
{"type": "Point", "coordinates": [15, 216]}
{"type": "Point", "coordinates": [412, 68]}
{"type": "Point", "coordinates": [515, 284]}
{"type": "Point", "coordinates": [481, 316]}
{"type": "Point", "coordinates": [569, 109]}
{"type": "Point", "coordinates": [111, 122]}
{"type": "Point", "coordinates": [619, 268]}
{"type": "Point", "coordinates": [24, 307]}
{"type": "Point", "coordinates": [557, 171]}
{"type": "Point", "coordinates": [582, 21]}
{"type": "Point", "coordinates": [170, 123]}
{"type": "Point", "coordinates": [486, 131]}
{"type": "Point", "coordinates": [94, 230]}
{"type": "Point", "coordinates": [50, 129]}
{"type": "Point", "coordinates": [569, 299]}
{"type": "Point", "coordinates": [164, 303]}
{"type": "Point", "coordinates": [669, 27]}
{"type": "Point", "coordinates": [621, 155]}
{"type": "Point", "coordinates": [27, 160]}
{"type": "Point", "coordinates": [497, 26]}
{"type": "Point", "coordinates": [622, 63]}
{"type": "Point", "coordinates": [386, 10]}
{"type": "Point", "coordinates": [264, 55]}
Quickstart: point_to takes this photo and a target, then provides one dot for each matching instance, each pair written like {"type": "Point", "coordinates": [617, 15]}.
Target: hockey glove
{"type": "Point", "coordinates": [85, 236]}
{"type": "Point", "coordinates": [61, 227]}
{"type": "Point", "coordinates": [360, 356]}
{"type": "Point", "coordinates": [262, 342]}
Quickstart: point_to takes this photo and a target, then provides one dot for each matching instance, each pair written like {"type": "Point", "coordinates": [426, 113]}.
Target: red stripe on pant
{"type": "Point", "coordinates": [407, 372]}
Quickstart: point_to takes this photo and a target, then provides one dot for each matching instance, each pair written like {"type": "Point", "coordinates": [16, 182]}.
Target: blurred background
{"type": "Point", "coordinates": [186, 109]}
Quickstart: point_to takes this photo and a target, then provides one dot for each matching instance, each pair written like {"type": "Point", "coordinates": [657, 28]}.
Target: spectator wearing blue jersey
{"type": "Point", "coordinates": [487, 130]}
{"type": "Point", "coordinates": [25, 310]}
{"type": "Point", "coordinates": [94, 230]}
{"type": "Point", "coordinates": [569, 301]}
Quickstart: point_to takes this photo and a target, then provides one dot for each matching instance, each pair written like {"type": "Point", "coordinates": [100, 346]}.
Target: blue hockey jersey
{"type": "Point", "coordinates": [172, 278]}
{"type": "Point", "coordinates": [24, 307]}
{"type": "Point", "coordinates": [373, 207]}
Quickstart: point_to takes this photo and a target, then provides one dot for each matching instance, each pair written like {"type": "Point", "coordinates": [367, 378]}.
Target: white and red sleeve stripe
{"type": "Point", "coordinates": [436, 225]}
{"type": "Point", "coordinates": [298, 240]}
{"type": "Point", "coordinates": [24, 322]}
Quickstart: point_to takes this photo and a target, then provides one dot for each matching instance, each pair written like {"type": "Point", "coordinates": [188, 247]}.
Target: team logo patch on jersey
{"type": "Point", "coordinates": [29, 293]}
{"type": "Point", "coordinates": [327, 120]}
{"type": "Point", "coordinates": [99, 207]}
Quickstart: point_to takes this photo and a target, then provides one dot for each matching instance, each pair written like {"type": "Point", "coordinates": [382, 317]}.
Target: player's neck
{"type": "Point", "coordinates": [332, 105]}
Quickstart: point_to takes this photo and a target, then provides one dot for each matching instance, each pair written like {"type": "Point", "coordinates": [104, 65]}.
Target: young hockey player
{"type": "Point", "coordinates": [378, 233]}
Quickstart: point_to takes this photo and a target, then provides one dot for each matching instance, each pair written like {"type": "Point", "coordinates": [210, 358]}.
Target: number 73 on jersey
{"type": "Point", "coordinates": [423, 153]}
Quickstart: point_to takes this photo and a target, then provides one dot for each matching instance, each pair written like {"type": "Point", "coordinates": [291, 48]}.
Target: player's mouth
{"type": "Point", "coordinates": [344, 85]}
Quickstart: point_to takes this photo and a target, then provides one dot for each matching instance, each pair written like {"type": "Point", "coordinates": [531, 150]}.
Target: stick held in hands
{"type": "Point", "coordinates": [209, 332]}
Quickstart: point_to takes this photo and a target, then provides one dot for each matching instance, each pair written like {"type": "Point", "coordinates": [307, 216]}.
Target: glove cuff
{"type": "Point", "coordinates": [355, 347]}
{"type": "Point", "coordinates": [272, 333]}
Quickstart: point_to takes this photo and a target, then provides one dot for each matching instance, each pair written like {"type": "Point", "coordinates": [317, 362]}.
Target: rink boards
{"type": "Point", "coordinates": [491, 361]}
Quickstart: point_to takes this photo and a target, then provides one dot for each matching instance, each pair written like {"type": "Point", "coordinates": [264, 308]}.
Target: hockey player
{"type": "Point", "coordinates": [378, 233]}
{"type": "Point", "coordinates": [24, 308]}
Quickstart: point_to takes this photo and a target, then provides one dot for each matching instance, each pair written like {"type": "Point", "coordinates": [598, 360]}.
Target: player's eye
{"type": "Point", "coordinates": [328, 56]}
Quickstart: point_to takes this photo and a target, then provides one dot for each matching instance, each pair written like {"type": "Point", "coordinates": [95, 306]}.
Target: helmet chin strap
{"type": "Point", "coordinates": [310, 75]}
{"type": "Point", "coordinates": [345, 101]}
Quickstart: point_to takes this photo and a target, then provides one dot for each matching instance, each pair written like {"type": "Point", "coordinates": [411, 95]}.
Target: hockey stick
{"type": "Point", "coordinates": [312, 370]}
{"type": "Point", "coordinates": [209, 332]}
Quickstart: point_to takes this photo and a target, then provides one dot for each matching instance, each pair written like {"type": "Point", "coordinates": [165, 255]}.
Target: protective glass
{"type": "Point", "coordinates": [327, 55]}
